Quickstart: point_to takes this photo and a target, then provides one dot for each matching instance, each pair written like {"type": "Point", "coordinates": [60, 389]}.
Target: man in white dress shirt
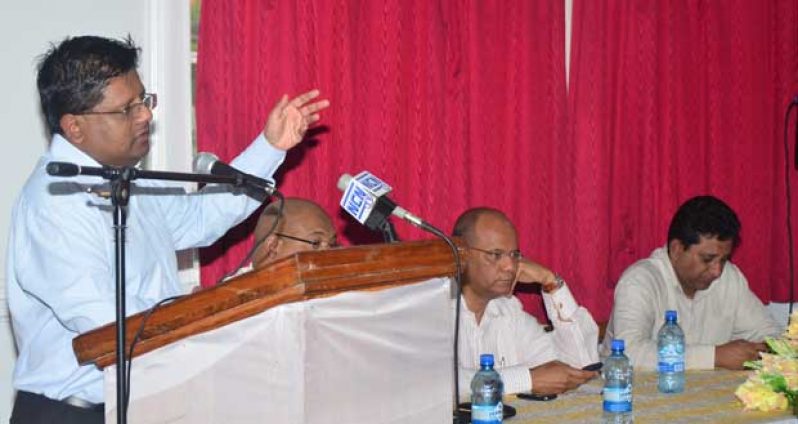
{"type": "Point", "coordinates": [724, 322]}
{"type": "Point", "coordinates": [492, 320]}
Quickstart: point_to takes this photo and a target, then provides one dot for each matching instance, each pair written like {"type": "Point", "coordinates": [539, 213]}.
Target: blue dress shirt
{"type": "Point", "coordinates": [60, 267]}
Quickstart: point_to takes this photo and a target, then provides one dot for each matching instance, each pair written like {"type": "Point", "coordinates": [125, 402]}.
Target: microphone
{"type": "Point", "coordinates": [208, 163]}
{"type": "Point", "coordinates": [69, 169]}
{"type": "Point", "coordinates": [365, 199]}
{"type": "Point", "coordinates": [63, 169]}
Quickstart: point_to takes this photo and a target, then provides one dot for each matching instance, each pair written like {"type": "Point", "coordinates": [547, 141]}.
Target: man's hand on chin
{"type": "Point", "coordinates": [530, 272]}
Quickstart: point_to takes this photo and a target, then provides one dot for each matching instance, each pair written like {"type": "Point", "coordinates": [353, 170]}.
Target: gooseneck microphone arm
{"type": "Point", "coordinates": [458, 287]}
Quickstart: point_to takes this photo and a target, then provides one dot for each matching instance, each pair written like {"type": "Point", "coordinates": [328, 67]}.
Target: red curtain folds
{"type": "Point", "coordinates": [454, 103]}
{"type": "Point", "coordinates": [462, 103]}
{"type": "Point", "coordinates": [673, 99]}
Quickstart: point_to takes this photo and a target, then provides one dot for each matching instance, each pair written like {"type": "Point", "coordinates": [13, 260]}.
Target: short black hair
{"type": "Point", "coordinates": [705, 216]}
{"type": "Point", "coordinates": [73, 74]}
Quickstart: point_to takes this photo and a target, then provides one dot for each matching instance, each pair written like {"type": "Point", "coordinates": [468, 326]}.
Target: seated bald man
{"type": "Point", "coordinates": [493, 321]}
{"type": "Point", "coordinates": [302, 226]}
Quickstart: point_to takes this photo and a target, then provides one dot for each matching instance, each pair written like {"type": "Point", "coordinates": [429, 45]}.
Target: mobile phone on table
{"type": "Point", "coordinates": [536, 396]}
{"type": "Point", "coordinates": [593, 367]}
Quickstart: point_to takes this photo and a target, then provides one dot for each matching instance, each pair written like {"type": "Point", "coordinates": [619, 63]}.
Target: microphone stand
{"type": "Point", "coordinates": [458, 291]}
{"type": "Point", "coordinates": [378, 220]}
{"type": "Point", "coordinates": [388, 231]}
{"type": "Point", "coordinates": [120, 197]}
{"type": "Point", "coordinates": [389, 234]}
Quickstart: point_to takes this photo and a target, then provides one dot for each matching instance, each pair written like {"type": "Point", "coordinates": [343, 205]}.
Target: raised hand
{"type": "Point", "coordinates": [290, 119]}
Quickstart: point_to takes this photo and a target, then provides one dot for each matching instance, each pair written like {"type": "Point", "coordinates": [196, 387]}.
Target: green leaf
{"type": "Point", "coordinates": [776, 382]}
{"type": "Point", "coordinates": [781, 348]}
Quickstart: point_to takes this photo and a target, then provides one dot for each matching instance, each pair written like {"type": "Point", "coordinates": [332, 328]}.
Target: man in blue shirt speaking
{"type": "Point", "coordinates": [60, 268]}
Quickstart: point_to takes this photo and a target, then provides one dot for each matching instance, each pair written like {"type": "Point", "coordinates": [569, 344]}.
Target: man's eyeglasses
{"type": "Point", "coordinates": [496, 255]}
{"type": "Point", "coordinates": [317, 244]}
{"type": "Point", "coordinates": [148, 100]}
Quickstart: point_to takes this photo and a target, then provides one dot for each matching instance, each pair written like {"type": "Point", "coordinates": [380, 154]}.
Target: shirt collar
{"type": "Point", "coordinates": [491, 310]}
{"type": "Point", "coordinates": [661, 254]}
{"type": "Point", "coordinates": [63, 150]}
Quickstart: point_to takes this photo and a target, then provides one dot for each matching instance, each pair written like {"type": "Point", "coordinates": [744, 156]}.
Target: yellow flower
{"type": "Point", "coordinates": [774, 383]}
{"type": "Point", "coordinates": [780, 365]}
{"type": "Point", "coordinates": [756, 395]}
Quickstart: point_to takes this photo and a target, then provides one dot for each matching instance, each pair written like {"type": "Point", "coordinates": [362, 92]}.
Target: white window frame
{"type": "Point", "coordinates": [166, 68]}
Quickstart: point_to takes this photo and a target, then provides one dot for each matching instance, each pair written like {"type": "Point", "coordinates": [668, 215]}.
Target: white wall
{"type": "Point", "coordinates": [27, 27]}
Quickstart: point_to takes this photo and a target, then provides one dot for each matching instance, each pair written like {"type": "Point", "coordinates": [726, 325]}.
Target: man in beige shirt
{"type": "Point", "coordinates": [724, 323]}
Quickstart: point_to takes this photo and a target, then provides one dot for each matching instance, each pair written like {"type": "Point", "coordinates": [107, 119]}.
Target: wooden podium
{"type": "Point", "coordinates": [358, 335]}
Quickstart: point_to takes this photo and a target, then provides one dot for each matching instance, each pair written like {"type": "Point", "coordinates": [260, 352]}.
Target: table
{"type": "Point", "coordinates": [708, 398]}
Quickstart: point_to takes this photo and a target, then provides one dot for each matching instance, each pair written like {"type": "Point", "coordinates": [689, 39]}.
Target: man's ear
{"type": "Point", "coordinates": [70, 125]}
{"type": "Point", "coordinates": [271, 243]}
{"type": "Point", "coordinates": [675, 246]}
{"type": "Point", "coordinates": [270, 247]}
{"type": "Point", "coordinates": [265, 252]}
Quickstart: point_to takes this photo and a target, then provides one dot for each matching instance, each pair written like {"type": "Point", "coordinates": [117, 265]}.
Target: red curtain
{"type": "Point", "coordinates": [460, 103]}
{"type": "Point", "coordinates": [673, 99]}
{"type": "Point", "coordinates": [454, 103]}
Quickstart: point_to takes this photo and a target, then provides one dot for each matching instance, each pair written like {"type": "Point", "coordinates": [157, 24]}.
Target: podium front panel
{"type": "Point", "coordinates": [358, 357]}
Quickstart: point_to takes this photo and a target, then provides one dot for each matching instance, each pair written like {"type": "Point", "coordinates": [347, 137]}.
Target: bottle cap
{"type": "Point", "coordinates": [670, 316]}
{"type": "Point", "coordinates": [617, 344]}
{"type": "Point", "coordinates": [486, 359]}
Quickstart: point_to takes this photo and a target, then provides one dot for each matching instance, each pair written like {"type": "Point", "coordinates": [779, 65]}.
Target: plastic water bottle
{"type": "Point", "coordinates": [617, 386]}
{"type": "Point", "coordinates": [670, 356]}
{"type": "Point", "coordinates": [486, 393]}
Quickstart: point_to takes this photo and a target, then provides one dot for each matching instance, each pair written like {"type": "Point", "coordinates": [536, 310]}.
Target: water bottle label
{"type": "Point", "coordinates": [671, 358]}
{"type": "Point", "coordinates": [670, 367]}
{"type": "Point", "coordinates": [618, 399]}
{"type": "Point", "coordinates": [487, 414]}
